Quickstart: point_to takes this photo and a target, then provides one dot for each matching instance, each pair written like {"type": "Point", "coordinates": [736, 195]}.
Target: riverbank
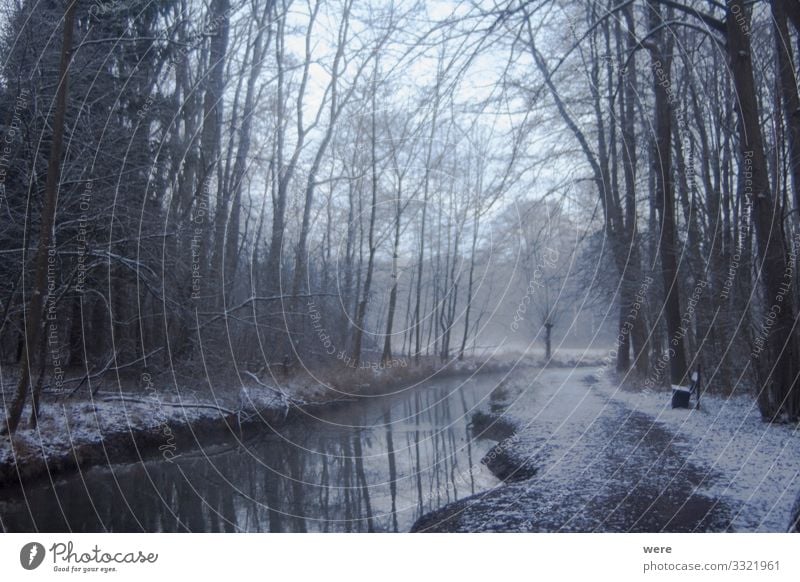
{"type": "Point", "coordinates": [144, 422]}
{"type": "Point", "coordinates": [581, 454]}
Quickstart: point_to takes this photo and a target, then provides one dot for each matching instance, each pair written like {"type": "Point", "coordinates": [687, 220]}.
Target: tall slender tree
{"type": "Point", "coordinates": [34, 320]}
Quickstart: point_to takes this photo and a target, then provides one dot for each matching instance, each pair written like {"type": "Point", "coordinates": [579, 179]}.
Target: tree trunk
{"type": "Point", "coordinates": [789, 96]}
{"type": "Point", "coordinates": [211, 135]}
{"type": "Point", "coordinates": [33, 326]}
{"type": "Point", "coordinates": [624, 337]}
{"type": "Point", "coordinates": [661, 62]}
{"type": "Point", "coordinates": [470, 282]}
{"type": "Point", "coordinates": [548, 346]}
{"type": "Point", "coordinates": [387, 342]}
{"type": "Point", "coordinates": [37, 389]}
{"type": "Point", "coordinates": [775, 353]}
{"type": "Point", "coordinates": [230, 225]}
{"type": "Point", "coordinates": [633, 323]}
{"type": "Point", "coordinates": [362, 306]}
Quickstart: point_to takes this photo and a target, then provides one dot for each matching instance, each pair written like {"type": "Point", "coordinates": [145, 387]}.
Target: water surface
{"type": "Point", "coordinates": [374, 465]}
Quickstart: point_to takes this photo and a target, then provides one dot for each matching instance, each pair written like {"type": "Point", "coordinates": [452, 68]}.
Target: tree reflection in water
{"type": "Point", "coordinates": [374, 466]}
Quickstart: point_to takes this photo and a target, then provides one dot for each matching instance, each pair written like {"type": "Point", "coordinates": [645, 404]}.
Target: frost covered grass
{"type": "Point", "coordinates": [562, 357]}
{"type": "Point", "coordinates": [65, 431]}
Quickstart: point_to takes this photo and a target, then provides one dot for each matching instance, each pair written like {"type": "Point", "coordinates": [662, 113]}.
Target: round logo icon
{"type": "Point", "coordinates": [31, 555]}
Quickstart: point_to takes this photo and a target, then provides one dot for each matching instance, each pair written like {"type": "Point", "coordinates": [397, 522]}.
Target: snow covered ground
{"type": "Point", "coordinates": [585, 456]}
{"type": "Point", "coordinates": [753, 465]}
{"type": "Point", "coordinates": [70, 433]}
{"type": "Point", "coordinates": [615, 460]}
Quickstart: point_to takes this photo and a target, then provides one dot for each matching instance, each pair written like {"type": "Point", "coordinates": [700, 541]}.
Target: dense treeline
{"type": "Point", "coordinates": [234, 185]}
{"type": "Point", "coordinates": [685, 113]}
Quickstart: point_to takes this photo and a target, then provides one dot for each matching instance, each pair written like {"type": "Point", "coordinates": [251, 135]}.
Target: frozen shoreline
{"type": "Point", "coordinates": [110, 429]}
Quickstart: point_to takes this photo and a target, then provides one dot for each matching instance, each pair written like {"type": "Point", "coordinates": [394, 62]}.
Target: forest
{"type": "Point", "coordinates": [232, 194]}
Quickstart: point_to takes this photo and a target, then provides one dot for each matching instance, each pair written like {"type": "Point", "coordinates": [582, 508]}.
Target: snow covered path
{"type": "Point", "coordinates": [609, 460]}
{"type": "Point", "coordinates": [753, 466]}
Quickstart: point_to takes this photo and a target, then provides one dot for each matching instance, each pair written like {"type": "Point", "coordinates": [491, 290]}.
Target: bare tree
{"type": "Point", "coordinates": [34, 322]}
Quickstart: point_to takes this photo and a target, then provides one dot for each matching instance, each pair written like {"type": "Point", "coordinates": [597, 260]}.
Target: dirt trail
{"type": "Point", "coordinates": [599, 466]}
